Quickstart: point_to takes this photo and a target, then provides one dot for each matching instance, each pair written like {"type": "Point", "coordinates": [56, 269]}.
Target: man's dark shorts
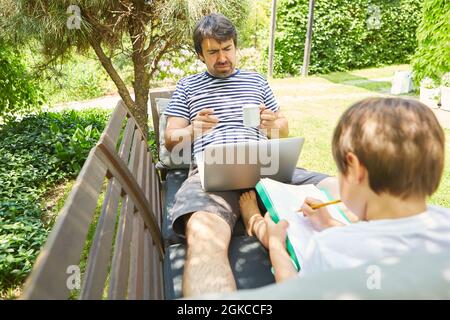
{"type": "Point", "coordinates": [192, 198]}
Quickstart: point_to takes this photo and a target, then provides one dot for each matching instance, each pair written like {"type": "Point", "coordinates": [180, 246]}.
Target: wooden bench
{"type": "Point", "coordinates": [127, 244]}
{"type": "Point", "coordinates": [119, 198]}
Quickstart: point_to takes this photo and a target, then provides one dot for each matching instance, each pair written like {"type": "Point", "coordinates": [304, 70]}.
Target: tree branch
{"type": "Point", "coordinates": [107, 64]}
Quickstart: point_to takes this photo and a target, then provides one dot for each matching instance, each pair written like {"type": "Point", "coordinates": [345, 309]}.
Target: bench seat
{"type": "Point", "coordinates": [173, 182]}
{"type": "Point", "coordinates": [249, 261]}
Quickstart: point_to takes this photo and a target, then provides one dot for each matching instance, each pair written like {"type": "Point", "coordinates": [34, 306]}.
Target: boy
{"type": "Point", "coordinates": [390, 156]}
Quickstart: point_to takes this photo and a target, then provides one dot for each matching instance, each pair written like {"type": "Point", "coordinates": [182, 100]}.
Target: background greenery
{"type": "Point", "coordinates": [347, 34]}
{"type": "Point", "coordinates": [432, 57]}
{"type": "Point", "coordinates": [37, 153]}
{"type": "Point", "coordinates": [19, 92]}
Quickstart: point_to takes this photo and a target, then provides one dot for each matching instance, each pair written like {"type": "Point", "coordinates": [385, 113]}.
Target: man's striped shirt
{"type": "Point", "coordinates": [226, 96]}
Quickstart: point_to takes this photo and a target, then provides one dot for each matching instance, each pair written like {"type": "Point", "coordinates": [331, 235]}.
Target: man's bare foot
{"type": "Point", "coordinates": [249, 210]}
{"type": "Point", "coordinates": [254, 222]}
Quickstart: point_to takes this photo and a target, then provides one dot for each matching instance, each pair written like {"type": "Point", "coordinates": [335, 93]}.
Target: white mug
{"type": "Point", "coordinates": [251, 116]}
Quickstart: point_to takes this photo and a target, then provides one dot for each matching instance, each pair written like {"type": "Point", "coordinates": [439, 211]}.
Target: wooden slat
{"type": "Point", "coordinates": [111, 134]}
{"type": "Point", "coordinates": [159, 275]}
{"type": "Point", "coordinates": [150, 272]}
{"type": "Point", "coordinates": [156, 280]}
{"type": "Point", "coordinates": [48, 279]}
{"type": "Point", "coordinates": [119, 170]}
{"type": "Point", "coordinates": [121, 258]}
{"type": "Point", "coordinates": [135, 286]}
{"type": "Point", "coordinates": [98, 260]}
{"type": "Point", "coordinates": [135, 280]}
{"type": "Point", "coordinates": [148, 281]}
{"type": "Point", "coordinates": [152, 193]}
{"type": "Point", "coordinates": [100, 252]}
{"type": "Point", "coordinates": [124, 150]}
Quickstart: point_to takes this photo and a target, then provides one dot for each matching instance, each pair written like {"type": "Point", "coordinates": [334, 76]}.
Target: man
{"type": "Point", "coordinates": [206, 108]}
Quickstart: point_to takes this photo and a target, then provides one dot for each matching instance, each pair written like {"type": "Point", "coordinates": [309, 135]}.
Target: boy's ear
{"type": "Point", "coordinates": [200, 56]}
{"type": "Point", "coordinates": [356, 170]}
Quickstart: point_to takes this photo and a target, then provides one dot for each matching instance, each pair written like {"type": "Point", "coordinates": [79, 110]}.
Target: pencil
{"type": "Point", "coordinates": [320, 205]}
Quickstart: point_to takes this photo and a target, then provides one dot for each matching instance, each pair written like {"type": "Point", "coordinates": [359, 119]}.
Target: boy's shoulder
{"type": "Point", "coordinates": [439, 210]}
{"type": "Point", "coordinates": [440, 214]}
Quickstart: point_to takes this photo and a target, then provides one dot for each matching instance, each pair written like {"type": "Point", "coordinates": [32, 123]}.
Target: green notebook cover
{"type": "Point", "coordinates": [263, 194]}
{"type": "Point", "coordinates": [273, 214]}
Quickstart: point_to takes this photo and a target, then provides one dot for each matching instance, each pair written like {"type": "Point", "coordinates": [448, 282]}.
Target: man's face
{"type": "Point", "coordinates": [219, 57]}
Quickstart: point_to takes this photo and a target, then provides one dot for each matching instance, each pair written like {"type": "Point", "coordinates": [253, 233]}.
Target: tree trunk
{"type": "Point", "coordinates": [140, 59]}
{"type": "Point", "coordinates": [112, 72]}
{"type": "Point", "coordinates": [141, 90]}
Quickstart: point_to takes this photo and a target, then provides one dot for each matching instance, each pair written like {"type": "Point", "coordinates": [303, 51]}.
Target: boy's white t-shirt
{"type": "Point", "coordinates": [353, 245]}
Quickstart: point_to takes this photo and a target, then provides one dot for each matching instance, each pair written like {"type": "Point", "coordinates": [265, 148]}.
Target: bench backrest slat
{"type": "Point", "coordinates": [135, 286]}
{"type": "Point", "coordinates": [112, 131]}
{"type": "Point", "coordinates": [148, 258]}
{"type": "Point", "coordinates": [157, 270]}
{"type": "Point", "coordinates": [99, 255]}
{"type": "Point", "coordinates": [121, 259]}
{"type": "Point", "coordinates": [135, 280]}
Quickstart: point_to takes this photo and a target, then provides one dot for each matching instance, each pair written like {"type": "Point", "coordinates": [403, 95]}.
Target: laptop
{"type": "Point", "coordinates": [241, 165]}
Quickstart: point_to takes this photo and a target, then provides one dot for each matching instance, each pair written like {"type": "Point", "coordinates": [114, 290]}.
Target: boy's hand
{"type": "Point", "coordinates": [203, 122]}
{"type": "Point", "coordinates": [320, 218]}
{"type": "Point", "coordinates": [276, 231]}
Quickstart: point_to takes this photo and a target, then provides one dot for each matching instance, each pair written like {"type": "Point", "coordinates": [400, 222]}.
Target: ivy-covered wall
{"type": "Point", "coordinates": [347, 34]}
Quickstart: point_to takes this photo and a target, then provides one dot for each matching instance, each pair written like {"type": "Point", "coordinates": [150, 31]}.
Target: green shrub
{"type": "Point", "coordinates": [432, 58]}
{"type": "Point", "coordinates": [78, 78]}
{"type": "Point", "coordinates": [36, 153]}
{"type": "Point", "coordinates": [19, 92]}
{"type": "Point", "coordinates": [347, 34]}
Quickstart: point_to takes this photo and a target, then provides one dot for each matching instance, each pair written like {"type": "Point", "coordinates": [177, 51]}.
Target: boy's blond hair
{"type": "Point", "coordinates": [399, 141]}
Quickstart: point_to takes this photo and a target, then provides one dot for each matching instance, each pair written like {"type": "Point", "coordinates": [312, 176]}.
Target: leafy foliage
{"type": "Point", "coordinates": [255, 31]}
{"type": "Point", "coordinates": [19, 92]}
{"type": "Point", "coordinates": [432, 58]}
{"type": "Point", "coordinates": [145, 31]}
{"type": "Point", "coordinates": [76, 79]}
{"type": "Point", "coordinates": [36, 153]}
{"type": "Point", "coordinates": [347, 34]}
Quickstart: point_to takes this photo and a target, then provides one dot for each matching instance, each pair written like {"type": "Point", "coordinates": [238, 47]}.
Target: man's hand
{"type": "Point", "coordinates": [320, 218]}
{"type": "Point", "coordinates": [203, 122]}
{"type": "Point", "coordinates": [268, 118]}
{"type": "Point", "coordinates": [273, 124]}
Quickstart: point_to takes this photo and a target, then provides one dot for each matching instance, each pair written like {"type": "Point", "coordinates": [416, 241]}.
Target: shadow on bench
{"type": "Point", "coordinates": [120, 198]}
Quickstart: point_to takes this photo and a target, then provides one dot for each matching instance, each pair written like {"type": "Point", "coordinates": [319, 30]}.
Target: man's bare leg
{"type": "Point", "coordinates": [253, 220]}
{"type": "Point", "coordinates": [207, 268]}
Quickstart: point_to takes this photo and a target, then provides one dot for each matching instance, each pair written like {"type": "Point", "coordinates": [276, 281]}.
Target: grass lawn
{"type": "Point", "coordinates": [314, 105]}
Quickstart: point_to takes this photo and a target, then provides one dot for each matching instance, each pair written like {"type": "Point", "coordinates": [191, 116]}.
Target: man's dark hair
{"type": "Point", "coordinates": [215, 26]}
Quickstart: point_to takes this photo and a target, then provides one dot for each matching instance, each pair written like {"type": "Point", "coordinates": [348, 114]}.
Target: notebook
{"type": "Point", "coordinates": [282, 202]}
